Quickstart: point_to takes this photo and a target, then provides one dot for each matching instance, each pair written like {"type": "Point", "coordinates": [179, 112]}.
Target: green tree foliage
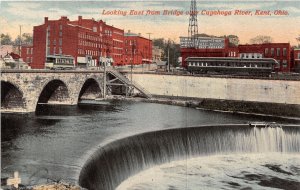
{"type": "Point", "coordinates": [26, 39]}
{"type": "Point", "coordinates": [174, 50]}
{"type": "Point", "coordinates": [6, 39]}
{"type": "Point", "coordinates": [261, 39]}
{"type": "Point", "coordinates": [233, 40]}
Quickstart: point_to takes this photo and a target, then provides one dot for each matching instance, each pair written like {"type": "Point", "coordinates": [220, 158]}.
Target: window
{"type": "Point", "coordinates": [272, 52]}
{"type": "Point", "coordinates": [60, 33]}
{"type": "Point", "coordinates": [94, 29]}
{"type": "Point", "coordinates": [28, 50]}
{"type": "Point", "coordinates": [278, 52]}
{"type": "Point", "coordinates": [54, 50]}
{"type": "Point", "coordinates": [60, 41]}
{"type": "Point", "coordinates": [60, 50]}
{"type": "Point", "coordinates": [298, 55]}
{"type": "Point", "coordinates": [284, 63]}
{"type": "Point", "coordinates": [266, 51]}
{"type": "Point", "coordinates": [54, 42]}
{"type": "Point", "coordinates": [48, 50]}
{"type": "Point", "coordinates": [284, 51]}
{"type": "Point", "coordinates": [31, 50]}
{"type": "Point", "coordinates": [60, 27]}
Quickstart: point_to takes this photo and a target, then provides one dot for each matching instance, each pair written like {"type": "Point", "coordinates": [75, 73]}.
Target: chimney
{"type": "Point", "coordinates": [139, 34]}
{"type": "Point", "coordinates": [64, 18]}
{"type": "Point", "coordinates": [46, 20]}
{"type": "Point", "coordinates": [128, 31]}
{"type": "Point", "coordinates": [79, 20]}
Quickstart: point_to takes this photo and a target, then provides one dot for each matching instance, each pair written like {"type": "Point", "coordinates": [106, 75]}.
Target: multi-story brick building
{"type": "Point", "coordinates": [206, 47]}
{"type": "Point", "coordinates": [27, 54]}
{"type": "Point", "coordinates": [90, 42]}
{"type": "Point", "coordinates": [219, 47]}
{"type": "Point", "coordinates": [279, 51]}
{"type": "Point", "coordinates": [138, 50]}
{"type": "Point", "coordinates": [296, 60]}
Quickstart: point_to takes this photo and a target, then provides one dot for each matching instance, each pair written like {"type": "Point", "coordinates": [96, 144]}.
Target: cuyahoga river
{"type": "Point", "coordinates": [78, 144]}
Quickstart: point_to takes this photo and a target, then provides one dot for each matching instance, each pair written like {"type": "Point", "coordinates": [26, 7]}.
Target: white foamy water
{"type": "Point", "coordinates": [234, 171]}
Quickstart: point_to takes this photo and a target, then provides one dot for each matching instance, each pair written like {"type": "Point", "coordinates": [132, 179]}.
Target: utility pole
{"type": "Point", "coordinates": [169, 59]}
{"type": "Point", "coordinates": [20, 43]}
{"type": "Point", "coordinates": [104, 79]}
{"type": "Point", "coordinates": [149, 50]}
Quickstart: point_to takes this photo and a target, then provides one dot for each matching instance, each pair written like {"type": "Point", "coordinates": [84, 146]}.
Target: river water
{"type": "Point", "coordinates": [55, 143]}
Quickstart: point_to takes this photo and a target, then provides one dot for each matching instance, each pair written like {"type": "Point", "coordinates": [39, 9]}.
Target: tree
{"type": "Point", "coordinates": [233, 40]}
{"type": "Point", "coordinates": [6, 39]}
{"type": "Point", "coordinates": [298, 39]}
{"type": "Point", "coordinates": [26, 39]}
{"type": "Point", "coordinates": [165, 45]}
{"type": "Point", "coordinates": [261, 39]}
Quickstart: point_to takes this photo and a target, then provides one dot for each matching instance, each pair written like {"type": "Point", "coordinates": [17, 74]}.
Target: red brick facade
{"type": "Point", "coordinates": [209, 52]}
{"type": "Point", "coordinates": [84, 39]}
{"type": "Point", "coordinates": [279, 51]}
{"type": "Point", "coordinates": [282, 52]}
{"type": "Point", "coordinates": [27, 54]}
{"type": "Point", "coordinates": [138, 50]}
{"type": "Point", "coordinates": [296, 60]}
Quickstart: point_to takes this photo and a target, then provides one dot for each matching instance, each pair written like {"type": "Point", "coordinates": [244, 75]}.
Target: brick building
{"type": "Point", "coordinates": [296, 60]}
{"type": "Point", "coordinates": [279, 51]}
{"type": "Point", "coordinates": [219, 47]}
{"type": "Point", "coordinates": [27, 53]}
{"type": "Point", "coordinates": [87, 40]}
{"type": "Point", "coordinates": [206, 47]}
{"type": "Point", "coordinates": [137, 49]}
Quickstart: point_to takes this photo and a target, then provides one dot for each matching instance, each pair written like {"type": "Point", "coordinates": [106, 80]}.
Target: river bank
{"type": "Point", "coordinates": [285, 111]}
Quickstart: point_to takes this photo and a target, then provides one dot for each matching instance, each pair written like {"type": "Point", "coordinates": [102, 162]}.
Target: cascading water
{"type": "Point", "coordinates": [116, 161]}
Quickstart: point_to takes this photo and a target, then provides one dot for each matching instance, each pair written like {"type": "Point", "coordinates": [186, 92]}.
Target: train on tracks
{"type": "Point", "coordinates": [233, 66]}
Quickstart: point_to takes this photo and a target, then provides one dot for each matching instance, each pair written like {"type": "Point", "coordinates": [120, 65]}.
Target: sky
{"type": "Point", "coordinates": [282, 28]}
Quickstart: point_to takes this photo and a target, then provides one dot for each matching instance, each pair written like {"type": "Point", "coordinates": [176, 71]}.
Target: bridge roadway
{"type": "Point", "coordinates": [23, 90]}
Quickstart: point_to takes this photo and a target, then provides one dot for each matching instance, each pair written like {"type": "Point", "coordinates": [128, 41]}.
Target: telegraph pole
{"type": "Point", "coordinates": [149, 50]}
{"type": "Point", "coordinates": [104, 79]}
{"type": "Point", "coordinates": [20, 43]}
{"type": "Point", "coordinates": [169, 59]}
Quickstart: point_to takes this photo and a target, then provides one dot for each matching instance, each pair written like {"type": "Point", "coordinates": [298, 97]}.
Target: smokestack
{"type": "Point", "coordinates": [46, 20]}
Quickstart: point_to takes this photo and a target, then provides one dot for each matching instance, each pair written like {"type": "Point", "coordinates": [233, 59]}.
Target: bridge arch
{"type": "Point", "coordinates": [54, 91]}
{"type": "Point", "coordinates": [12, 97]}
{"type": "Point", "coordinates": [90, 90]}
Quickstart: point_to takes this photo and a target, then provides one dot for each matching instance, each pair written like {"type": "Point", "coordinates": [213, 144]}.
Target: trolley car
{"type": "Point", "coordinates": [59, 62]}
{"type": "Point", "coordinates": [228, 65]}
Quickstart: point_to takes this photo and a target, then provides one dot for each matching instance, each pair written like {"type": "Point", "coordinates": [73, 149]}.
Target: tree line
{"type": "Point", "coordinates": [26, 38]}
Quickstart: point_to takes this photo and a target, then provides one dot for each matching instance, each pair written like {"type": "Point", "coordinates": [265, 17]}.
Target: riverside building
{"type": "Point", "coordinates": [90, 42]}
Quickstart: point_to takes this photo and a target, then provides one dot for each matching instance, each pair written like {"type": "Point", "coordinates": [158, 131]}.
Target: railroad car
{"type": "Point", "coordinates": [230, 65]}
{"type": "Point", "coordinates": [60, 62]}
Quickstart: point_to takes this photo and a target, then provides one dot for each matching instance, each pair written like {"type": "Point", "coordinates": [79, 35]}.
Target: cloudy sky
{"type": "Point", "coordinates": [284, 28]}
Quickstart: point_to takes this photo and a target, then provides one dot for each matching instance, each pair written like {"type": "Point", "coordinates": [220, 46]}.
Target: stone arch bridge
{"type": "Point", "coordinates": [22, 91]}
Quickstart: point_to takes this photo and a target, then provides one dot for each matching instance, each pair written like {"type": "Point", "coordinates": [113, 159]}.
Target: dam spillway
{"type": "Point", "coordinates": [115, 162]}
